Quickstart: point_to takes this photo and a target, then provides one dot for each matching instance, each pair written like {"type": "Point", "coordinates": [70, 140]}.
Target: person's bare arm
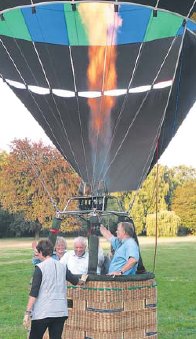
{"type": "Point", "coordinates": [129, 264]}
{"type": "Point", "coordinates": [30, 303]}
{"type": "Point", "coordinates": [106, 233]}
{"type": "Point", "coordinates": [27, 315]}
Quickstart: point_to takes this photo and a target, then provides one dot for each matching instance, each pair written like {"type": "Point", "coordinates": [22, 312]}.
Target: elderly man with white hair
{"type": "Point", "coordinates": [78, 259]}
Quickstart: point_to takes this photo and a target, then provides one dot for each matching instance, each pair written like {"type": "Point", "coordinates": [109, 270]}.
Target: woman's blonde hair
{"type": "Point", "coordinates": [61, 240]}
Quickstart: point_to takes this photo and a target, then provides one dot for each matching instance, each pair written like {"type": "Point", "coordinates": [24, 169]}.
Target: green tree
{"type": "Point", "coordinates": [182, 174]}
{"type": "Point", "coordinates": [151, 196]}
{"type": "Point", "coordinates": [184, 204]}
{"type": "Point", "coordinates": [20, 227]}
{"type": "Point", "coordinates": [166, 222]}
{"type": "Point", "coordinates": [3, 158]}
{"type": "Point", "coordinates": [156, 193]}
{"type": "Point", "coordinates": [177, 176]}
{"type": "Point", "coordinates": [5, 220]}
{"type": "Point", "coordinates": [34, 179]}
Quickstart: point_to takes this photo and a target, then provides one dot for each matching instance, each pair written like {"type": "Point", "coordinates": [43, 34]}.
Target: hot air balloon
{"type": "Point", "coordinates": [110, 83]}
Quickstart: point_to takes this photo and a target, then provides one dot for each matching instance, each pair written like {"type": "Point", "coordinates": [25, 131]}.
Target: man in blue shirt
{"type": "Point", "coordinates": [126, 255]}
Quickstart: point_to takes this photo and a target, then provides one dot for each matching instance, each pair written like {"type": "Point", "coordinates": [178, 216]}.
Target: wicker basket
{"type": "Point", "coordinates": [112, 308]}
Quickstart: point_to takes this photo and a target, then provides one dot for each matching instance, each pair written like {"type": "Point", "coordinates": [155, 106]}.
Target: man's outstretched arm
{"type": "Point", "coordinates": [106, 233]}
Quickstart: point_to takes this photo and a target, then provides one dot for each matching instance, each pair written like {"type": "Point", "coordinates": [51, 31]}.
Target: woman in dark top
{"type": "Point", "coordinates": [47, 304]}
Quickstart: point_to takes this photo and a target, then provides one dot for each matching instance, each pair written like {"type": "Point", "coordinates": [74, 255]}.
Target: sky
{"type": "Point", "coordinates": [17, 122]}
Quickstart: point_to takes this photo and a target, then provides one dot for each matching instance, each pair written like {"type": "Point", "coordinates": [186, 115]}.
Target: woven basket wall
{"type": "Point", "coordinates": [112, 309]}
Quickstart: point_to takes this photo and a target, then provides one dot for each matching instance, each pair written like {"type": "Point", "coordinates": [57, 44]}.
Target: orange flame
{"type": "Point", "coordinates": [95, 72]}
{"type": "Point", "coordinates": [101, 23]}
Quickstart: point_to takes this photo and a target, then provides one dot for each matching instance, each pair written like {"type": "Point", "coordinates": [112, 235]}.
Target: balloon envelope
{"type": "Point", "coordinates": [109, 84]}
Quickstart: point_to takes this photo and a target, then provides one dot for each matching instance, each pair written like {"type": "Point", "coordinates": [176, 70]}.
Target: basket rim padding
{"type": "Point", "coordinates": [122, 278]}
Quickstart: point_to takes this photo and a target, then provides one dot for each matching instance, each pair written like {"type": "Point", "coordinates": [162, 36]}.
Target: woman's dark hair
{"type": "Point", "coordinates": [45, 247]}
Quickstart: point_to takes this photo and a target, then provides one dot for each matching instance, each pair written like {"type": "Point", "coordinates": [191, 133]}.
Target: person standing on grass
{"type": "Point", "coordinates": [47, 304]}
{"type": "Point", "coordinates": [126, 251]}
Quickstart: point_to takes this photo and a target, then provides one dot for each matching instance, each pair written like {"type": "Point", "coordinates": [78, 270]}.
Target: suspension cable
{"type": "Point", "coordinates": [53, 98]}
{"type": "Point", "coordinates": [121, 111]}
{"type": "Point", "coordinates": [156, 222]}
{"type": "Point", "coordinates": [137, 112]}
{"type": "Point", "coordinates": [40, 178]}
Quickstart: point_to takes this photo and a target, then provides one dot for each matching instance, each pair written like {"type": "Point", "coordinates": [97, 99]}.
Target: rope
{"type": "Point", "coordinates": [40, 178]}
{"type": "Point", "coordinates": [78, 111]}
{"type": "Point", "coordinates": [77, 100]}
{"type": "Point", "coordinates": [157, 4]}
{"type": "Point", "coordinates": [191, 8]}
{"type": "Point", "coordinates": [121, 109]}
{"type": "Point", "coordinates": [156, 224]}
{"type": "Point", "coordinates": [31, 94]}
{"type": "Point", "coordinates": [54, 100]}
{"type": "Point", "coordinates": [126, 97]}
{"type": "Point", "coordinates": [178, 59]}
{"type": "Point", "coordinates": [145, 169]}
{"type": "Point", "coordinates": [32, 164]}
{"type": "Point", "coordinates": [65, 131]}
{"type": "Point", "coordinates": [39, 59]}
{"type": "Point", "coordinates": [157, 154]}
{"type": "Point", "coordinates": [138, 110]}
{"type": "Point", "coordinates": [55, 103]}
{"type": "Point", "coordinates": [177, 97]}
{"type": "Point", "coordinates": [173, 41]}
{"type": "Point", "coordinates": [137, 193]}
{"type": "Point", "coordinates": [52, 201]}
{"type": "Point", "coordinates": [119, 116]}
{"type": "Point", "coordinates": [123, 105]}
{"type": "Point", "coordinates": [178, 87]}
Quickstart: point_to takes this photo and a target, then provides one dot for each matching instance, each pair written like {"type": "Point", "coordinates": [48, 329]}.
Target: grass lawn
{"type": "Point", "coordinates": [175, 275]}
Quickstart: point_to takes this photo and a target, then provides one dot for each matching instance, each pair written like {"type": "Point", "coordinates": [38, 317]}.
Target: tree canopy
{"type": "Point", "coordinates": [157, 192]}
{"type": "Point", "coordinates": [184, 204]}
{"type": "Point", "coordinates": [35, 179]}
